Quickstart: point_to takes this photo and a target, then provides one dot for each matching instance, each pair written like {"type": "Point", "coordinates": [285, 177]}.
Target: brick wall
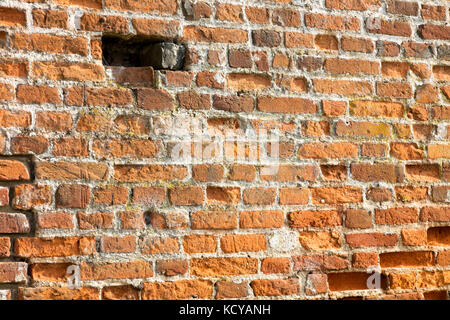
{"type": "Point", "coordinates": [160, 184]}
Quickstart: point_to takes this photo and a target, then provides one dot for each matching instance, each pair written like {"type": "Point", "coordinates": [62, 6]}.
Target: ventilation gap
{"type": "Point", "coordinates": [139, 51]}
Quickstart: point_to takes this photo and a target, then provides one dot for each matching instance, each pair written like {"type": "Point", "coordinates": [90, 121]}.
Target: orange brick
{"type": "Point", "coordinates": [261, 219]}
{"type": "Point", "coordinates": [228, 289]}
{"type": "Point", "coordinates": [55, 220]}
{"type": "Point", "coordinates": [377, 239]}
{"type": "Point", "coordinates": [396, 216]}
{"type": "Point", "coordinates": [119, 244]}
{"type": "Point", "coordinates": [217, 35]}
{"type": "Point", "coordinates": [320, 219]}
{"type": "Point", "coordinates": [159, 245]}
{"type": "Point", "coordinates": [97, 220]}
{"type": "Point", "coordinates": [335, 150]}
{"type": "Point", "coordinates": [199, 243]}
{"type": "Point", "coordinates": [54, 247]}
{"type": "Point", "coordinates": [243, 242]}
{"type": "Point", "coordinates": [205, 267]}
{"type": "Point", "coordinates": [331, 22]}
{"type": "Point", "coordinates": [320, 240]}
{"type": "Point", "coordinates": [277, 287]}
{"type": "Point", "coordinates": [11, 17]}
{"type": "Point", "coordinates": [286, 105]}
{"type": "Point", "coordinates": [275, 265]}
{"type": "Point", "coordinates": [407, 259]}
{"type": "Point", "coordinates": [119, 270]}
{"type": "Point", "coordinates": [50, 18]}
{"type": "Point", "coordinates": [178, 290]}
{"type": "Point", "coordinates": [59, 293]}
{"type": "Point", "coordinates": [50, 43]}
{"type": "Point", "coordinates": [68, 71]}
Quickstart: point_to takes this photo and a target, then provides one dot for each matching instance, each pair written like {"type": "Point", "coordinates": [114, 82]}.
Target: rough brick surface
{"type": "Point", "coordinates": [301, 145]}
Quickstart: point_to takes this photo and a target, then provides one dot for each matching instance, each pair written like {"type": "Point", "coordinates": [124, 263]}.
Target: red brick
{"type": "Point", "coordinates": [207, 172]}
{"type": "Point", "coordinates": [119, 270]}
{"type": "Point", "coordinates": [377, 172]}
{"type": "Point", "coordinates": [50, 18]}
{"type": "Point", "coordinates": [223, 195]}
{"type": "Point", "coordinates": [157, 29]}
{"type": "Point", "coordinates": [199, 243]}
{"type": "Point", "coordinates": [64, 170]}
{"type": "Point", "coordinates": [50, 43]}
{"type": "Point", "coordinates": [286, 17]}
{"type": "Point", "coordinates": [28, 196]}
{"type": "Point", "coordinates": [172, 267]}
{"type": "Point", "coordinates": [186, 195]}
{"type": "Point", "coordinates": [13, 68]}
{"type": "Point", "coordinates": [438, 236]}
{"type": "Point", "coordinates": [33, 144]}
{"type": "Point", "coordinates": [228, 289]}
{"type": "Point", "coordinates": [259, 196]}
{"type": "Point", "coordinates": [378, 239]}
{"type": "Point", "coordinates": [178, 290]}
{"type": "Point", "coordinates": [430, 12]}
{"type": "Point", "coordinates": [277, 287]}
{"type": "Point", "coordinates": [54, 121]}
{"type": "Point", "coordinates": [213, 220]}
{"type": "Point", "coordinates": [14, 223]}
{"type": "Point", "coordinates": [275, 265]}
{"type": "Point", "coordinates": [12, 170]}
{"type": "Point", "coordinates": [118, 244]}
{"type": "Point", "coordinates": [407, 259]}
{"type": "Point", "coordinates": [72, 196]}
{"type": "Point", "coordinates": [229, 12]}
{"type": "Point", "coordinates": [342, 87]}
{"type": "Point", "coordinates": [360, 5]}
{"type": "Point", "coordinates": [389, 27]}
{"type": "Point", "coordinates": [159, 245]}
{"type": "Point", "coordinates": [13, 272]}
{"type": "Point", "coordinates": [243, 242]}
{"type": "Point", "coordinates": [54, 247]}
{"type": "Point", "coordinates": [316, 284]}
{"type": "Point", "coordinates": [364, 259]}
{"type": "Point", "coordinates": [405, 8]}
{"type": "Point", "coordinates": [396, 216]}
{"type": "Point", "coordinates": [149, 196]}
{"type": "Point", "coordinates": [261, 219]}
{"type": "Point", "coordinates": [70, 147]}
{"type": "Point", "coordinates": [216, 35]}
{"type": "Point", "coordinates": [55, 220]}
{"type": "Point", "coordinates": [434, 32]}
{"type": "Point", "coordinates": [68, 71]}
{"type": "Point", "coordinates": [357, 44]}
{"type": "Point", "coordinates": [96, 220]}
{"type": "Point", "coordinates": [4, 196]}
{"type": "Point", "coordinates": [351, 281]}
{"type": "Point", "coordinates": [12, 17]}
{"type": "Point", "coordinates": [247, 81]}
{"type": "Point", "coordinates": [58, 293]}
{"type": "Point", "coordinates": [108, 97]}
{"type": "Point", "coordinates": [205, 267]}
{"type": "Point", "coordinates": [266, 38]}
{"type": "Point", "coordinates": [332, 22]}
{"type": "Point", "coordinates": [125, 292]}
{"type": "Point", "coordinates": [286, 105]}
{"type": "Point", "coordinates": [336, 150]}
{"type": "Point", "coordinates": [321, 262]}
{"type": "Point", "coordinates": [358, 219]}
{"type": "Point", "coordinates": [193, 100]}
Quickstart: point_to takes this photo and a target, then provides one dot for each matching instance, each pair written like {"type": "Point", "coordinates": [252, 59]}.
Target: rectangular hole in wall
{"type": "Point", "coordinates": [139, 51]}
